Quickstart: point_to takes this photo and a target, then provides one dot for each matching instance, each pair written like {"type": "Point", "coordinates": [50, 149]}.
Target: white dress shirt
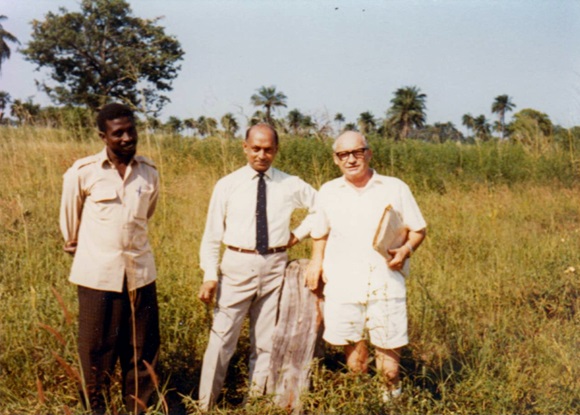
{"type": "Point", "coordinates": [356, 272]}
{"type": "Point", "coordinates": [231, 217]}
{"type": "Point", "coordinates": [107, 216]}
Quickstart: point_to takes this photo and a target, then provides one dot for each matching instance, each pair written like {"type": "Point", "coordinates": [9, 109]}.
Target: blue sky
{"type": "Point", "coordinates": [350, 56]}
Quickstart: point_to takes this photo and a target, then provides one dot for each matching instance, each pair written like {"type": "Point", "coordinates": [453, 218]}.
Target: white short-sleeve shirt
{"type": "Point", "coordinates": [355, 272]}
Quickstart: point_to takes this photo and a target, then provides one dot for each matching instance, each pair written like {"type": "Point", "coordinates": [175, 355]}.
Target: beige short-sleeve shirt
{"type": "Point", "coordinates": [108, 217]}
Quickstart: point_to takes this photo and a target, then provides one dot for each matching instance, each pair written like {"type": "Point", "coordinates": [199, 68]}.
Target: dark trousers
{"type": "Point", "coordinates": [109, 330]}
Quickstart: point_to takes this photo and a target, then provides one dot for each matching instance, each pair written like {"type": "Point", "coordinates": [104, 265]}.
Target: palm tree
{"type": "Point", "coordinates": [258, 117]}
{"type": "Point", "coordinates": [152, 123]}
{"type": "Point", "coordinates": [190, 124]}
{"type": "Point", "coordinates": [4, 38]}
{"type": "Point", "coordinates": [294, 118]}
{"type": "Point", "coordinates": [350, 127]}
{"type": "Point", "coordinates": [229, 124]}
{"type": "Point", "coordinates": [174, 124]}
{"type": "Point", "coordinates": [268, 98]}
{"type": "Point", "coordinates": [481, 128]}
{"type": "Point", "coordinates": [339, 118]}
{"type": "Point", "coordinates": [468, 121]}
{"type": "Point", "coordinates": [5, 99]}
{"type": "Point", "coordinates": [442, 132]}
{"type": "Point", "coordinates": [500, 106]}
{"type": "Point", "coordinates": [366, 123]}
{"type": "Point", "coordinates": [201, 126]}
{"type": "Point", "coordinates": [407, 111]}
{"type": "Point", "coordinates": [24, 111]}
{"type": "Point", "coordinates": [307, 124]}
{"type": "Point", "coordinates": [210, 125]}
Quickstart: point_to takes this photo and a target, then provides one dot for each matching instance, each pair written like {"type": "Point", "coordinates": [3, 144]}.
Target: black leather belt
{"type": "Point", "coordinates": [253, 251]}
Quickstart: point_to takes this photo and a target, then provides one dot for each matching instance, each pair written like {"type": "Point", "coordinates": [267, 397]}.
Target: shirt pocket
{"type": "Point", "coordinates": [143, 201]}
{"type": "Point", "coordinates": [104, 200]}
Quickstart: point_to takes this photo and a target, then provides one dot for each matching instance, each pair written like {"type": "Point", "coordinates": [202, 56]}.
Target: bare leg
{"type": "Point", "coordinates": [388, 366]}
{"type": "Point", "coordinates": [357, 357]}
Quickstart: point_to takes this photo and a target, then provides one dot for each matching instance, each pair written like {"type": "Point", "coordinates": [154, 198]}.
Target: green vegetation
{"type": "Point", "coordinates": [5, 37]}
{"type": "Point", "coordinates": [493, 296]}
{"type": "Point", "coordinates": [103, 53]}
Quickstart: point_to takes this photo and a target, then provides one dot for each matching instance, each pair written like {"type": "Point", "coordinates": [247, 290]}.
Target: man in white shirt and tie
{"type": "Point", "coordinates": [249, 212]}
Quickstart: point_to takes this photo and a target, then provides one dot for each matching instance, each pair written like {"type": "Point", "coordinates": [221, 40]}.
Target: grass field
{"type": "Point", "coordinates": [493, 296]}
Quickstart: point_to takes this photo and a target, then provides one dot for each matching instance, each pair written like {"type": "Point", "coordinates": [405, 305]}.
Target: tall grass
{"type": "Point", "coordinates": [493, 294]}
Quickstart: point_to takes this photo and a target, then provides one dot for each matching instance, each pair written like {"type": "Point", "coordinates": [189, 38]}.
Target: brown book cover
{"type": "Point", "coordinates": [391, 233]}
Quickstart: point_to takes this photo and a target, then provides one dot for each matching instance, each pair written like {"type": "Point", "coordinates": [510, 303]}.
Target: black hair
{"type": "Point", "coordinates": [112, 112]}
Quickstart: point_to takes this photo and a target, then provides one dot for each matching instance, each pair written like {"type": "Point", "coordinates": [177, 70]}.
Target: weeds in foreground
{"type": "Point", "coordinates": [493, 294]}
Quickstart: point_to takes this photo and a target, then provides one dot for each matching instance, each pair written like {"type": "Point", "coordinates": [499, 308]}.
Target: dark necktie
{"type": "Point", "coordinates": [261, 218]}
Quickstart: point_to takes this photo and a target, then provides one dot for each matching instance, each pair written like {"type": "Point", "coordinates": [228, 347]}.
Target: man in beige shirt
{"type": "Point", "coordinates": [249, 212]}
{"type": "Point", "coordinates": [107, 201]}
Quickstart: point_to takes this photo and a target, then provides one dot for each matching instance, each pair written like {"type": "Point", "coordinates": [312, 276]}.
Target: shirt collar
{"type": "Point", "coordinates": [375, 178]}
{"type": "Point", "coordinates": [103, 158]}
{"type": "Point", "coordinates": [253, 173]}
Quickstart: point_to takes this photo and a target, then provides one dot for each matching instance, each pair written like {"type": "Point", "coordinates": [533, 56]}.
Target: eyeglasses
{"type": "Point", "coordinates": [359, 153]}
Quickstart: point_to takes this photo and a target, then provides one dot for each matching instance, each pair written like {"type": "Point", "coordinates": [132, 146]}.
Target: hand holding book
{"type": "Point", "coordinates": [391, 234]}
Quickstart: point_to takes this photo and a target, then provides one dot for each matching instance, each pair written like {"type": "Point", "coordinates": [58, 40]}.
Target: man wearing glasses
{"type": "Point", "coordinates": [365, 295]}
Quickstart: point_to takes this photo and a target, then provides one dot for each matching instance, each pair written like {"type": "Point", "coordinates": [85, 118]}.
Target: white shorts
{"type": "Point", "coordinates": [385, 321]}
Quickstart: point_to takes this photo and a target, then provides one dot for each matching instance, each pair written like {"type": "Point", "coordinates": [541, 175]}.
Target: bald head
{"type": "Point", "coordinates": [352, 155]}
{"type": "Point", "coordinates": [262, 128]}
{"type": "Point", "coordinates": [350, 139]}
{"type": "Point", "coordinates": [261, 146]}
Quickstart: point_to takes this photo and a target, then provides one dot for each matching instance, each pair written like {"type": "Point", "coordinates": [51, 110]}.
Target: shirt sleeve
{"type": "Point", "coordinates": [306, 198]}
{"type": "Point", "coordinates": [320, 224]}
{"type": "Point", "coordinates": [213, 235]}
{"type": "Point", "coordinates": [71, 206]}
{"type": "Point", "coordinates": [411, 213]}
{"type": "Point", "coordinates": [154, 196]}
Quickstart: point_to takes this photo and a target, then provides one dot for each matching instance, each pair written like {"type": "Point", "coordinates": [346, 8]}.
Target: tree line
{"type": "Point", "coordinates": [404, 119]}
{"type": "Point", "coordinates": [103, 52]}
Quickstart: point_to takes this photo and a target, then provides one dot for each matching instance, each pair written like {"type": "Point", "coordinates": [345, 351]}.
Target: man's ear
{"type": "Point", "coordinates": [103, 137]}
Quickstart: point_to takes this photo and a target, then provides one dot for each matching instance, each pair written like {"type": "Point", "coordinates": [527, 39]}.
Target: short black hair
{"type": "Point", "coordinates": [264, 124]}
{"type": "Point", "coordinates": [112, 112]}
